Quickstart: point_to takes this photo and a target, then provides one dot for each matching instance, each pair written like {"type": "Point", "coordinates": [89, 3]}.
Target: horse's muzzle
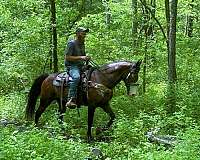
{"type": "Point", "coordinates": [132, 89]}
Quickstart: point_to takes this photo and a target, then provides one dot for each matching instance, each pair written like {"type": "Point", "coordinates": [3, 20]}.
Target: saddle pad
{"type": "Point", "coordinates": [61, 78]}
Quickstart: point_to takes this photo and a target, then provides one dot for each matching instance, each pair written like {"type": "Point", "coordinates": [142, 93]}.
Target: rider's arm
{"type": "Point", "coordinates": [76, 58]}
{"type": "Point", "coordinates": [71, 56]}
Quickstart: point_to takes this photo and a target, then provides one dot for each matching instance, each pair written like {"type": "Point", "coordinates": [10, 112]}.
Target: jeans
{"type": "Point", "coordinates": [74, 72]}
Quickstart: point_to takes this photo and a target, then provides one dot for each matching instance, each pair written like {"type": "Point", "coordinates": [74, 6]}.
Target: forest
{"type": "Point", "coordinates": [160, 123]}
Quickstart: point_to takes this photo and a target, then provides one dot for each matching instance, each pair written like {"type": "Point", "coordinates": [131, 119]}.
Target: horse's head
{"type": "Point", "coordinates": [131, 77]}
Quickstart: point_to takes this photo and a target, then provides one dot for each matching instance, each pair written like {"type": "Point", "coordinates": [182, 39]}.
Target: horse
{"type": "Point", "coordinates": [106, 76]}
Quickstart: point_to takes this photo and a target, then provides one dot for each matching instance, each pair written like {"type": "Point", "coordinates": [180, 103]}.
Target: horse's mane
{"type": "Point", "coordinates": [110, 67]}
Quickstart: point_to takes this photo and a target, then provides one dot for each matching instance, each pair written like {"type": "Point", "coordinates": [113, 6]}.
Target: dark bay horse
{"type": "Point", "coordinates": [107, 76]}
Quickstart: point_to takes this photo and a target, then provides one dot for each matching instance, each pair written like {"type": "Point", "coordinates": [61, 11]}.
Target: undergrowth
{"type": "Point", "coordinates": [125, 140]}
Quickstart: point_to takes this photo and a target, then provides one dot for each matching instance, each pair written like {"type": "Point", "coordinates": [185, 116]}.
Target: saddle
{"type": "Point", "coordinates": [62, 79]}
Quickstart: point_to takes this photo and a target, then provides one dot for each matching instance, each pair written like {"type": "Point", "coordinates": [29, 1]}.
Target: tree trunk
{"type": "Point", "coordinates": [51, 53]}
{"type": "Point", "coordinates": [134, 23]}
{"type": "Point", "coordinates": [153, 14]}
{"type": "Point", "coordinates": [145, 64]}
{"type": "Point", "coordinates": [146, 19]}
{"type": "Point", "coordinates": [54, 35]}
{"type": "Point", "coordinates": [172, 42]}
{"type": "Point", "coordinates": [107, 11]}
{"type": "Point", "coordinates": [189, 22]}
{"type": "Point", "coordinates": [167, 15]}
{"type": "Point", "coordinates": [172, 58]}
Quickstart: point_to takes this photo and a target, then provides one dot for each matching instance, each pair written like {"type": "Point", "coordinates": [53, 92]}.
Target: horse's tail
{"type": "Point", "coordinates": [33, 95]}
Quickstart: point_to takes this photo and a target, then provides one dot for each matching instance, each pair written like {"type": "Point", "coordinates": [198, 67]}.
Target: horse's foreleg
{"type": "Point", "coordinates": [109, 111]}
{"type": "Point", "coordinates": [43, 105]}
{"type": "Point", "coordinates": [91, 110]}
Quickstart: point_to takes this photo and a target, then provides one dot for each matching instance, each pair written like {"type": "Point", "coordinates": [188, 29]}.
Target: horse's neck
{"type": "Point", "coordinates": [111, 79]}
{"type": "Point", "coordinates": [114, 79]}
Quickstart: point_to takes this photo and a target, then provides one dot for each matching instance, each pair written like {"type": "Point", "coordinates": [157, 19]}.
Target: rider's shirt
{"type": "Point", "coordinates": [75, 48]}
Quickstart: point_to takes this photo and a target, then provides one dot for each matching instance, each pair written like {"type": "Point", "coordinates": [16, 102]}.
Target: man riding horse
{"type": "Point", "coordinates": [74, 60]}
{"type": "Point", "coordinates": [101, 82]}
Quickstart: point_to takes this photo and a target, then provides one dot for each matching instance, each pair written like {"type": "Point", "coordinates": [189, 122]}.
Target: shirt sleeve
{"type": "Point", "coordinates": [69, 48]}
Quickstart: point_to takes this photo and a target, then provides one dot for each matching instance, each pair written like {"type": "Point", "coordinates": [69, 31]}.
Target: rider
{"type": "Point", "coordinates": [74, 60]}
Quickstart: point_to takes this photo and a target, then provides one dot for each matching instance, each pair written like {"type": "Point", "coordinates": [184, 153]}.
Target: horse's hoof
{"type": "Point", "coordinates": [90, 139]}
{"type": "Point", "coordinates": [72, 107]}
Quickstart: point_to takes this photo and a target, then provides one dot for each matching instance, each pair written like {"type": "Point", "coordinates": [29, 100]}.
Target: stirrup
{"type": "Point", "coordinates": [70, 104]}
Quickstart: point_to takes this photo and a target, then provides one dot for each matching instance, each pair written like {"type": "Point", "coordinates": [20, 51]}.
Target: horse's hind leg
{"type": "Point", "coordinates": [109, 111]}
{"type": "Point", "coordinates": [43, 105]}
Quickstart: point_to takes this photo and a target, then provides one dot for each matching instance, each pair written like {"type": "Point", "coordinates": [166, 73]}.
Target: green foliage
{"type": "Point", "coordinates": [23, 35]}
{"type": "Point", "coordinates": [127, 137]}
{"type": "Point", "coordinates": [36, 144]}
{"type": "Point", "coordinates": [24, 49]}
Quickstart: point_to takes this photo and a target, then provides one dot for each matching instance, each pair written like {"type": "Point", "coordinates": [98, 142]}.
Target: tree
{"type": "Point", "coordinates": [167, 16]}
{"type": "Point", "coordinates": [172, 57]}
{"type": "Point", "coordinates": [134, 23]}
{"type": "Point", "coordinates": [172, 42]}
{"type": "Point", "coordinates": [189, 21]}
{"type": "Point", "coordinates": [107, 12]}
{"type": "Point", "coordinates": [148, 14]}
{"type": "Point", "coordinates": [54, 35]}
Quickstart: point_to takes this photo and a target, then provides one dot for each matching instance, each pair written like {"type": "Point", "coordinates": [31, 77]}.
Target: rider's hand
{"type": "Point", "coordinates": [88, 58]}
{"type": "Point", "coordinates": [85, 58]}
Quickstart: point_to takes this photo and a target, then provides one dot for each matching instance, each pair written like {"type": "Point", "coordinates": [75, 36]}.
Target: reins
{"type": "Point", "coordinates": [128, 75]}
{"type": "Point", "coordinates": [94, 64]}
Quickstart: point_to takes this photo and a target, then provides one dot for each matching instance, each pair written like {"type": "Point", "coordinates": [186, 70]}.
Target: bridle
{"type": "Point", "coordinates": [130, 72]}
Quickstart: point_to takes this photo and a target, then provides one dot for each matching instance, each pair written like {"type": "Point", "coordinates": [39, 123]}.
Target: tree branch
{"type": "Point", "coordinates": [153, 15]}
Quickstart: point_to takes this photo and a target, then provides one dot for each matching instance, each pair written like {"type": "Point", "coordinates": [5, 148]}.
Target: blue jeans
{"type": "Point", "coordinates": [74, 72]}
